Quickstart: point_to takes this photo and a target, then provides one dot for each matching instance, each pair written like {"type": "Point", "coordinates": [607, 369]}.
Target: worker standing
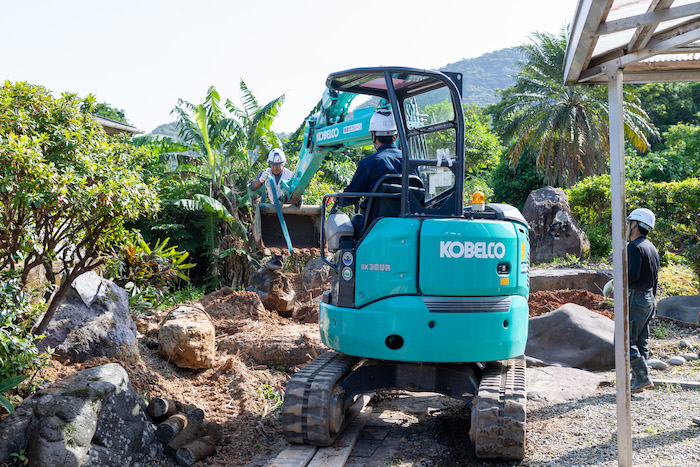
{"type": "Point", "coordinates": [387, 160]}
{"type": "Point", "coordinates": [642, 274]}
{"type": "Point", "coordinates": [276, 173]}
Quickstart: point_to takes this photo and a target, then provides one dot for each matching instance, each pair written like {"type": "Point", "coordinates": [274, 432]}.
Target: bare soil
{"type": "Point", "coordinates": [244, 396]}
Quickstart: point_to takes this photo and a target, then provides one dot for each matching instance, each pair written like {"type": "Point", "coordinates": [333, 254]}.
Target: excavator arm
{"type": "Point", "coordinates": [333, 129]}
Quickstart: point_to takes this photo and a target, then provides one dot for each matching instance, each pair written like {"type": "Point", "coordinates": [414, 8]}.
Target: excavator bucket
{"type": "Point", "coordinates": [303, 224]}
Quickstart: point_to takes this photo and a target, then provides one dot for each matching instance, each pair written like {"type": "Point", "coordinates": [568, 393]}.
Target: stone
{"type": "Point", "coordinates": [561, 384]}
{"type": "Point", "coordinates": [690, 356]}
{"type": "Point", "coordinates": [592, 280]}
{"type": "Point", "coordinates": [316, 277]}
{"type": "Point", "coordinates": [657, 364]}
{"type": "Point", "coordinates": [91, 321]}
{"type": "Point", "coordinates": [572, 336]}
{"type": "Point", "coordinates": [308, 312]}
{"type": "Point", "coordinates": [554, 233]}
{"type": "Point", "coordinates": [90, 418]}
{"type": "Point", "coordinates": [677, 360]}
{"type": "Point", "coordinates": [275, 290]}
{"type": "Point", "coordinates": [187, 338]}
{"type": "Point", "coordinates": [287, 346]}
{"type": "Point", "coordinates": [681, 307]}
{"type": "Point", "coordinates": [684, 344]}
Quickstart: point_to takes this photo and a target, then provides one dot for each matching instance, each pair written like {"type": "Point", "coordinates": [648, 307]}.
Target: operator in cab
{"type": "Point", "coordinates": [276, 173]}
{"type": "Point", "coordinates": [387, 160]}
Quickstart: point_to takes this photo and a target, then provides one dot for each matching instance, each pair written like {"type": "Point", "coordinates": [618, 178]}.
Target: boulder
{"type": "Point", "coordinates": [316, 277]}
{"type": "Point", "coordinates": [560, 384]}
{"type": "Point", "coordinates": [681, 307]}
{"type": "Point", "coordinates": [90, 418]}
{"type": "Point", "coordinates": [553, 230]}
{"type": "Point", "coordinates": [275, 290]}
{"type": "Point", "coordinates": [91, 321]}
{"type": "Point", "coordinates": [273, 345]}
{"type": "Point", "coordinates": [187, 338]}
{"type": "Point", "coordinates": [572, 336]}
{"type": "Point", "coordinates": [592, 280]}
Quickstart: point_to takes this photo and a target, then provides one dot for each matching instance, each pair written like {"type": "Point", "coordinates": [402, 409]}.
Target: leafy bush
{"type": "Point", "coordinates": [6, 385]}
{"type": "Point", "coordinates": [66, 186]}
{"type": "Point", "coordinates": [18, 352]}
{"type": "Point", "coordinates": [678, 277]}
{"type": "Point", "coordinates": [675, 204]}
{"type": "Point", "coordinates": [513, 184]}
{"type": "Point", "coordinates": [147, 273]}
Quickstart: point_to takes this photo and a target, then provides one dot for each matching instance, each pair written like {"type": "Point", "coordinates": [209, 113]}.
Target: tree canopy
{"type": "Point", "coordinates": [565, 127]}
{"type": "Point", "coordinates": [66, 186]}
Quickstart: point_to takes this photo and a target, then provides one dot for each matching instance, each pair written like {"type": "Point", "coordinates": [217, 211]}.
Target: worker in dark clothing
{"type": "Point", "coordinates": [387, 160]}
{"type": "Point", "coordinates": [642, 276]}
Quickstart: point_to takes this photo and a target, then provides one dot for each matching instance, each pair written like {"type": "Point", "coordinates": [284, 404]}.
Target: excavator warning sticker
{"type": "Point", "coordinates": [347, 258]}
{"type": "Point", "coordinates": [504, 281]}
{"type": "Point", "coordinates": [352, 128]}
{"type": "Point", "coordinates": [347, 274]}
{"type": "Point", "coordinates": [524, 267]}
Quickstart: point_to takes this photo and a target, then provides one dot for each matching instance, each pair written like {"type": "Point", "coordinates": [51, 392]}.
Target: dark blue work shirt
{"type": "Point", "coordinates": [642, 265]}
{"type": "Point", "coordinates": [387, 160]}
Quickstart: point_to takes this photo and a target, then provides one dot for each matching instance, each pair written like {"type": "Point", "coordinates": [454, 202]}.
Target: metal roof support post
{"type": "Point", "coordinates": [617, 196]}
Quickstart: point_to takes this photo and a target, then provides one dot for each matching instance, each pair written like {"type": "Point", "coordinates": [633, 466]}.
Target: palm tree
{"type": "Point", "coordinates": [565, 127]}
{"type": "Point", "coordinates": [227, 146]}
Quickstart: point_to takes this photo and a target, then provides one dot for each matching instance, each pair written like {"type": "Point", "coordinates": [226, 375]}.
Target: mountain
{"type": "Point", "coordinates": [166, 129]}
{"type": "Point", "coordinates": [484, 74]}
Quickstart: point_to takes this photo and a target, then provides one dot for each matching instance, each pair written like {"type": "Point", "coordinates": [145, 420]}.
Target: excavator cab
{"type": "Point", "coordinates": [432, 295]}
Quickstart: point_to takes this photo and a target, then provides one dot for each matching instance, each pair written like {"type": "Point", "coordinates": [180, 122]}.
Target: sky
{"type": "Point", "coordinates": [143, 55]}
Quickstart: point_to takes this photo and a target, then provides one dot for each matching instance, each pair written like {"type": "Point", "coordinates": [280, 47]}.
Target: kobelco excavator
{"type": "Point", "coordinates": [429, 294]}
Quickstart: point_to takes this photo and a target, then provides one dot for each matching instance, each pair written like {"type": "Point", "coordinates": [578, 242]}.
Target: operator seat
{"type": "Point", "coordinates": [378, 207]}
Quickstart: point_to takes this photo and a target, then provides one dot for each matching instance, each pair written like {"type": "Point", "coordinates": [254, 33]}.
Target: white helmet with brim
{"type": "Point", "coordinates": [382, 123]}
{"type": "Point", "coordinates": [644, 216]}
{"type": "Point", "coordinates": [276, 157]}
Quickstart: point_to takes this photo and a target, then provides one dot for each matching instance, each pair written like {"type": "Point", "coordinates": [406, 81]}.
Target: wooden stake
{"type": "Point", "coordinates": [196, 450]}
{"type": "Point", "coordinates": [167, 430]}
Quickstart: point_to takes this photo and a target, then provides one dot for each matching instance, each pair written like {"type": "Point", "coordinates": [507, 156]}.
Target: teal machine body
{"type": "Point", "coordinates": [429, 294]}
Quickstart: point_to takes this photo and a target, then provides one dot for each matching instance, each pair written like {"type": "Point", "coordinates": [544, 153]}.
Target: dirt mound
{"type": "Point", "coordinates": [549, 300]}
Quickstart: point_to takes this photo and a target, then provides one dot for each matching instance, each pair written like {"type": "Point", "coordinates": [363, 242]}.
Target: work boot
{"type": "Point", "coordinates": [642, 381]}
{"type": "Point", "coordinates": [274, 263]}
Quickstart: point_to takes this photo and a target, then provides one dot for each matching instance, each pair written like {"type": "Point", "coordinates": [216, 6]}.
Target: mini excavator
{"type": "Point", "coordinates": [429, 295]}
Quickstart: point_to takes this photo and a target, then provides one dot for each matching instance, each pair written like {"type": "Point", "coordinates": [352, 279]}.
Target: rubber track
{"type": "Point", "coordinates": [305, 411]}
{"type": "Point", "coordinates": [498, 417]}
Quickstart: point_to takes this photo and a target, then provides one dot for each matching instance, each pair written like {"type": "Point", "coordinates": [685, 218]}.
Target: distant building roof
{"type": "Point", "coordinates": [113, 127]}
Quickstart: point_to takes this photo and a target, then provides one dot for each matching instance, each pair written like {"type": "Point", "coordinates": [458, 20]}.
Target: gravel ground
{"type": "Point", "coordinates": [584, 433]}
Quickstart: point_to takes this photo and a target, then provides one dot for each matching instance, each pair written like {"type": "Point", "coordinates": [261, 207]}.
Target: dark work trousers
{"type": "Point", "coordinates": [641, 306]}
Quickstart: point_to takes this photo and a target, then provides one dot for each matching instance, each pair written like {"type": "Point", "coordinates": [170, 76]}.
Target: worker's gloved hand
{"type": "Point", "coordinates": [264, 176]}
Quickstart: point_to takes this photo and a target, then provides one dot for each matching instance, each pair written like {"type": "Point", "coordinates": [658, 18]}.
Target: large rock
{"type": "Point", "coordinates": [93, 320]}
{"type": "Point", "coordinates": [91, 418]}
{"type": "Point", "coordinates": [275, 290]}
{"type": "Point", "coordinates": [553, 230]}
{"type": "Point", "coordinates": [572, 336]}
{"type": "Point", "coordinates": [592, 280]}
{"type": "Point", "coordinates": [273, 345]}
{"type": "Point", "coordinates": [561, 384]}
{"type": "Point", "coordinates": [316, 277]}
{"type": "Point", "coordinates": [187, 338]}
{"type": "Point", "coordinates": [681, 307]}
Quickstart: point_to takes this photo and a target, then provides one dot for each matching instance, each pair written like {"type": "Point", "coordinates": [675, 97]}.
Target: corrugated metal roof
{"type": "Point", "coordinates": [651, 40]}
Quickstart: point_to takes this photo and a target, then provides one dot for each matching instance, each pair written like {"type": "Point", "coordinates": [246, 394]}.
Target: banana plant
{"type": "Point", "coordinates": [6, 385]}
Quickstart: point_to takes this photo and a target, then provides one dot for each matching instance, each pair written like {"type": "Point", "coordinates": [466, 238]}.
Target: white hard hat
{"type": "Point", "coordinates": [645, 217]}
{"type": "Point", "coordinates": [383, 123]}
{"type": "Point", "coordinates": [276, 157]}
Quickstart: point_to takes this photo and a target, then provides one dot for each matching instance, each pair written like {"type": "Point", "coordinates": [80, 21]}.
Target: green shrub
{"type": "Point", "coordinates": [513, 184]}
{"type": "Point", "coordinates": [148, 273]}
{"type": "Point", "coordinates": [677, 277]}
{"type": "Point", "coordinates": [675, 204]}
{"type": "Point", "coordinates": [18, 352]}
